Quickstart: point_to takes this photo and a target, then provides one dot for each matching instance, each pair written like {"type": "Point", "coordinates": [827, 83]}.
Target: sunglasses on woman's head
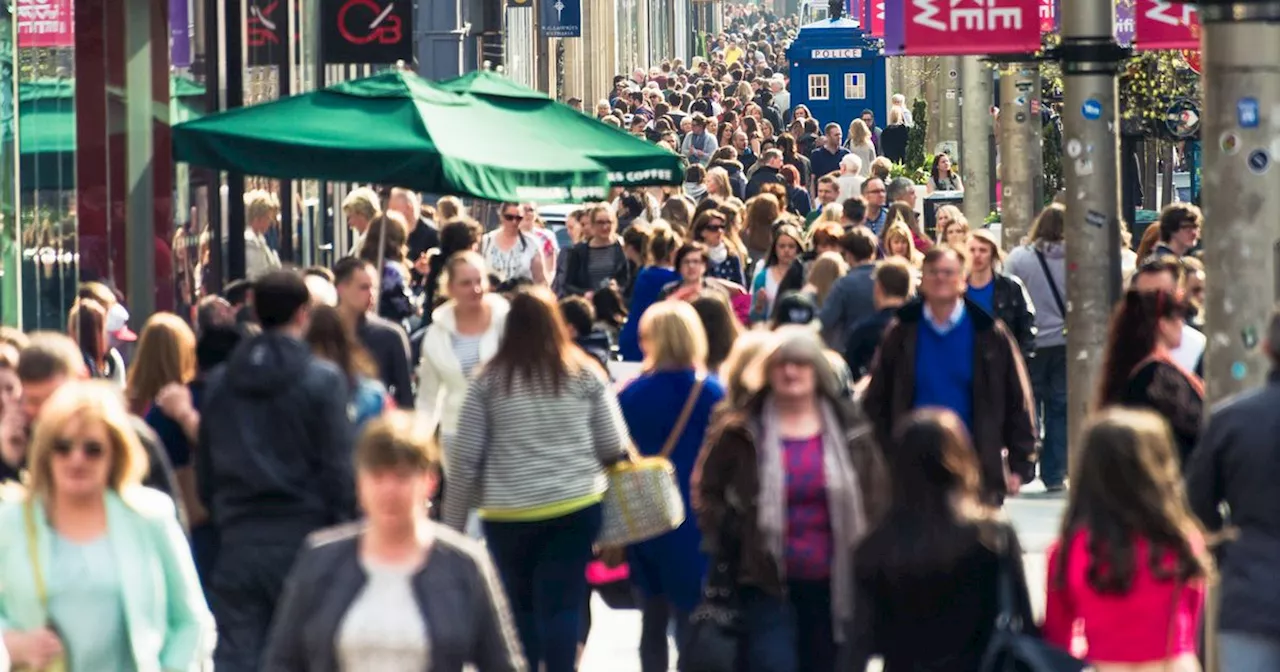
{"type": "Point", "coordinates": [91, 449]}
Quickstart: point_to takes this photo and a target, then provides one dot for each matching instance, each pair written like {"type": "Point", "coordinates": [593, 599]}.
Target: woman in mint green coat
{"type": "Point", "coordinates": [95, 572]}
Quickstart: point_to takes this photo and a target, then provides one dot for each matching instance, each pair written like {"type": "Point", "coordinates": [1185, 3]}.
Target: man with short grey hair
{"type": "Point", "coordinates": [899, 101]}
{"type": "Point", "coordinates": [903, 190]}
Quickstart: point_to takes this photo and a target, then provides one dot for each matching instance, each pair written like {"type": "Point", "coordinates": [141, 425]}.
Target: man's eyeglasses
{"type": "Point", "coordinates": [943, 273]}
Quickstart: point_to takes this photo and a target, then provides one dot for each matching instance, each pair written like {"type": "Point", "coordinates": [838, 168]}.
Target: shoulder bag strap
{"type": "Point", "coordinates": [1053, 286]}
{"type": "Point", "coordinates": [33, 551]}
{"type": "Point", "coordinates": [683, 420]}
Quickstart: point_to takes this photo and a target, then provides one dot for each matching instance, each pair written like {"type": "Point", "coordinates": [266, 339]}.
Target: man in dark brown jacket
{"type": "Point", "coordinates": [945, 351]}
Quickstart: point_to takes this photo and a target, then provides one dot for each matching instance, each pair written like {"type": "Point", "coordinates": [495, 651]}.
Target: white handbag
{"type": "Point", "coordinates": [643, 500]}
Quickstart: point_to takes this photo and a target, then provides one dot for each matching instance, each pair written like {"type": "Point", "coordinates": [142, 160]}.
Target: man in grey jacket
{"type": "Point", "coordinates": [850, 299]}
{"type": "Point", "coordinates": [1041, 265]}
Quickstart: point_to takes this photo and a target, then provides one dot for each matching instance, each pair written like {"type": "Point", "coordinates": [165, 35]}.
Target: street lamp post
{"type": "Point", "coordinates": [1090, 60]}
{"type": "Point", "coordinates": [1241, 120]}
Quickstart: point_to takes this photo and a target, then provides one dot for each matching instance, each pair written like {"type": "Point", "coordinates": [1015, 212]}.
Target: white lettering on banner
{"type": "Point", "coordinates": [634, 176]}
{"type": "Point", "coordinates": [928, 10]}
{"type": "Point", "coordinates": [824, 54]}
{"type": "Point", "coordinates": [1163, 11]}
{"type": "Point", "coordinates": [880, 10]}
{"type": "Point", "coordinates": [1124, 25]}
{"type": "Point", "coordinates": [1046, 11]}
{"type": "Point", "coordinates": [986, 16]}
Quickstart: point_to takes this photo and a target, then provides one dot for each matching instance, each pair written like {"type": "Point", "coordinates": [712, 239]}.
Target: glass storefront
{"type": "Point", "coordinates": [88, 189]}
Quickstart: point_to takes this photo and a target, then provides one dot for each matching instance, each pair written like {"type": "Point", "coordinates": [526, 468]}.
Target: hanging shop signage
{"type": "Point", "coordinates": [179, 34]}
{"type": "Point", "coordinates": [1049, 10]}
{"type": "Point", "coordinates": [1165, 24]}
{"type": "Point", "coordinates": [944, 28]}
{"type": "Point", "coordinates": [265, 26]}
{"type": "Point", "coordinates": [561, 18]}
{"type": "Point", "coordinates": [46, 23]}
{"type": "Point", "coordinates": [1124, 22]}
{"type": "Point", "coordinates": [873, 13]}
{"type": "Point", "coordinates": [366, 31]}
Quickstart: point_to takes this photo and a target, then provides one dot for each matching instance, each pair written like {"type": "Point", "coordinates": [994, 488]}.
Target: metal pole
{"type": "Point", "coordinates": [975, 78]}
{"type": "Point", "coordinates": [1090, 58]}
{"type": "Point", "coordinates": [1241, 47]}
{"type": "Point", "coordinates": [948, 106]}
{"type": "Point", "coordinates": [1022, 169]}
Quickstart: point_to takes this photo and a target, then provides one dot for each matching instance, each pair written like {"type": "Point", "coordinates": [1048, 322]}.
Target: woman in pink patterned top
{"type": "Point", "coordinates": [792, 479]}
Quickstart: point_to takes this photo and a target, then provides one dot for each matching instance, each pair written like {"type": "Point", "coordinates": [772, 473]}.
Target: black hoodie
{"type": "Point", "coordinates": [276, 443]}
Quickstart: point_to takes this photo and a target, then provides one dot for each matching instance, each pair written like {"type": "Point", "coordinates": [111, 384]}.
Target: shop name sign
{"type": "Point", "coordinates": [829, 54]}
{"type": "Point", "coordinates": [45, 23]}
{"type": "Point", "coordinates": [971, 27]}
{"type": "Point", "coordinates": [366, 31]}
{"type": "Point", "coordinates": [1163, 24]}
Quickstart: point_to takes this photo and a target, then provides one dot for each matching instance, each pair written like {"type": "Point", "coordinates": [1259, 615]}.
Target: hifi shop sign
{"type": "Point", "coordinates": [373, 32]}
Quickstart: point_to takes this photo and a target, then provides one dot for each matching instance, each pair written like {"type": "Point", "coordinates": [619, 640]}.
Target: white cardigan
{"type": "Point", "coordinates": [442, 387]}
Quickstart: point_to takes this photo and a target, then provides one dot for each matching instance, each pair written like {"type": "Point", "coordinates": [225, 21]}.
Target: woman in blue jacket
{"type": "Point", "coordinates": [657, 273]}
{"type": "Point", "coordinates": [86, 531]}
{"type": "Point", "coordinates": [669, 570]}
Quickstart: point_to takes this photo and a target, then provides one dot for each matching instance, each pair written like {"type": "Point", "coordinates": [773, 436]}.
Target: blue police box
{"type": "Point", "coordinates": [837, 72]}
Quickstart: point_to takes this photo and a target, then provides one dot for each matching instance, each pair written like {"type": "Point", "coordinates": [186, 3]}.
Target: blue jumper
{"type": "Point", "coordinates": [944, 368]}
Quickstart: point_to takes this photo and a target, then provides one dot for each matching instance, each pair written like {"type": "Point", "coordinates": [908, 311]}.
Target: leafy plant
{"type": "Point", "coordinates": [916, 134]}
{"type": "Point", "coordinates": [918, 175]}
{"type": "Point", "coordinates": [991, 218]}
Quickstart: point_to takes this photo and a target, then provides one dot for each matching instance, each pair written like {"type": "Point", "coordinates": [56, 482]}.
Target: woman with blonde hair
{"type": "Point", "coordinates": [898, 243]}
{"type": "Point", "coordinates": [669, 569]}
{"type": "Point", "coordinates": [165, 354]}
{"type": "Point", "coordinates": [96, 570]}
{"type": "Point", "coordinates": [901, 212]}
{"type": "Point", "coordinates": [368, 597]}
{"type": "Point", "coordinates": [465, 333]}
{"type": "Point", "coordinates": [861, 145]}
{"type": "Point", "coordinates": [951, 225]}
{"type": "Point", "coordinates": [717, 183]}
{"type": "Point", "coordinates": [823, 273]}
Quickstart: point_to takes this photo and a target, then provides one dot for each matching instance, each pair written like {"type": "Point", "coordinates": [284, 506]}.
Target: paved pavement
{"type": "Point", "coordinates": [615, 635]}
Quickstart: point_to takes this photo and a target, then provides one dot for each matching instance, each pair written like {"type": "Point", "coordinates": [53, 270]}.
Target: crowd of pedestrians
{"type": "Point", "coordinates": [402, 462]}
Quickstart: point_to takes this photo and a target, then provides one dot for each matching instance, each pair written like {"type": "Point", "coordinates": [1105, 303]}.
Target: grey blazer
{"type": "Point", "coordinates": [457, 591]}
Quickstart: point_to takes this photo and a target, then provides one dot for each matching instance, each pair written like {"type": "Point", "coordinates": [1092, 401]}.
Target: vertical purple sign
{"type": "Point", "coordinates": [179, 33]}
{"type": "Point", "coordinates": [1124, 22]}
{"type": "Point", "coordinates": [854, 11]}
{"type": "Point", "coordinates": [895, 29]}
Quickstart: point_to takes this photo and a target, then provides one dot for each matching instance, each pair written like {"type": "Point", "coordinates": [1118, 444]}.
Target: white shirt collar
{"type": "Point", "coordinates": [952, 320]}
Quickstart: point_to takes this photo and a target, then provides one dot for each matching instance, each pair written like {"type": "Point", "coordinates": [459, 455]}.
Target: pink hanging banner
{"type": "Point", "coordinates": [1164, 24]}
{"type": "Point", "coordinates": [1049, 16]}
{"type": "Point", "coordinates": [874, 14]}
{"type": "Point", "coordinates": [46, 23]}
{"type": "Point", "coordinates": [971, 27]}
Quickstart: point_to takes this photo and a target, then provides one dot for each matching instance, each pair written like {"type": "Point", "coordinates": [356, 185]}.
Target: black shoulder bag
{"type": "Point", "coordinates": [1011, 649]}
{"type": "Point", "coordinates": [715, 626]}
{"type": "Point", "coordinates": [1053, 288]}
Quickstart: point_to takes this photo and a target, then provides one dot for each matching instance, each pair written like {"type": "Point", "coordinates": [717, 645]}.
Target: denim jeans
{"type": "Point", "coordinates": [792, 634]}
{"type": "Point", "coordinates": [1048, 371]}
{"type": "Point", "coordinates": [543, 567]}
{"type": "Point", "coordinates": [1245, 652]}
{"type": "Point", "coordinates": [656, 622]}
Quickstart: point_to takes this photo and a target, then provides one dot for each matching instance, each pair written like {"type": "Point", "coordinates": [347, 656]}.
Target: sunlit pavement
{"type": "Point", "coordinates": [615, 635]}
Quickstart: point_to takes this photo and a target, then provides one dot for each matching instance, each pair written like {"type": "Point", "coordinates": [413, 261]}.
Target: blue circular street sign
{"type": "Point", "coordinates": [1259, 161]}
{"type": "Point", "coordinates": [1091, 109]}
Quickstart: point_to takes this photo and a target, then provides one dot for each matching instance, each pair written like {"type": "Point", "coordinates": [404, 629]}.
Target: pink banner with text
{"type": "Point", "coordinates": [46, 23]}
{"type": "Point", "coordinates": [972, 27]}
{"type": "Point", "coordinates": [1164, 24]}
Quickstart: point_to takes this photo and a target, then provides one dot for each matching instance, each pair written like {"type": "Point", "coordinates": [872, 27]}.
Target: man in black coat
{"type": "Point", "coordinates": [767, 172]}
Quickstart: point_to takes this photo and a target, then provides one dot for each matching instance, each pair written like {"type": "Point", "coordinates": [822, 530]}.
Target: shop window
{"type": "Point", "coordinates": [855, 86]}
{"type": "Point", "coordinates": [819, 87]}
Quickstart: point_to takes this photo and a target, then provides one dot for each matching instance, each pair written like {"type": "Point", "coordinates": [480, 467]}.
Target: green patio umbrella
{"type": "Point", "coordinates": [631, 161]}
{"type": "Point", "coordinates": [395, 128]}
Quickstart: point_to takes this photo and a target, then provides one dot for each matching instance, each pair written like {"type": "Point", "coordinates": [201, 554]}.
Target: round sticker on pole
{"type": "Point", "coordinates": [1259, 161]}
{"type": "Point", "coordinates": [1091, 109]}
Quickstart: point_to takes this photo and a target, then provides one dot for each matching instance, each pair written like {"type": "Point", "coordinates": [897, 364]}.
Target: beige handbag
{"type": "Point", "coordinates": [643, 500]}
{"type": "Point", "coordinates": [29, 514]}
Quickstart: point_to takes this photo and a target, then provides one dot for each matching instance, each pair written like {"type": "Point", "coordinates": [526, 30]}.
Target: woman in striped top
{"type": "Point", "coordinates": [538, 426]}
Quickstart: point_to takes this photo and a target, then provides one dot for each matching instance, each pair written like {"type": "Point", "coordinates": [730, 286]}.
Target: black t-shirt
{"type": "Point", "coordinates": [422, 238]}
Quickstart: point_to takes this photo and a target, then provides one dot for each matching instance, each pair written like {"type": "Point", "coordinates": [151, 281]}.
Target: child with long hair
{"type": "Point", "coordinates": [1127, 575]}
